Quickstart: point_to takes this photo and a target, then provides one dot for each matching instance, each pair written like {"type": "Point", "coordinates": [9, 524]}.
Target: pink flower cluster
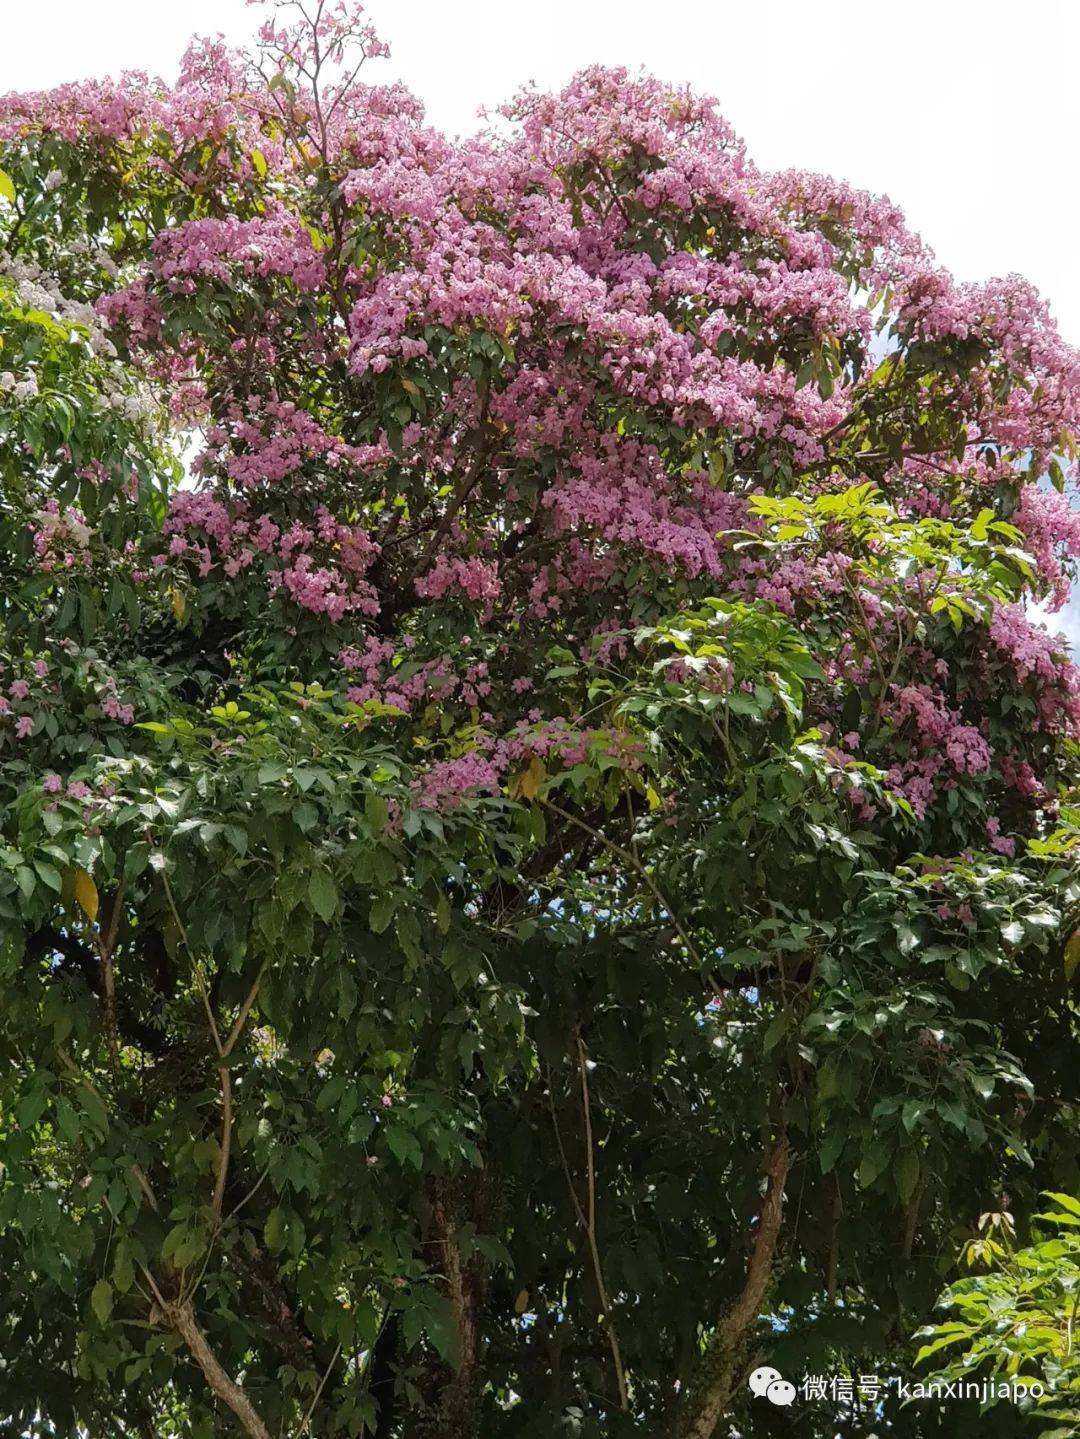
{"type": "Point", "coordinates": [1035, 657]}
{"type": "Point", "coordinates": [61, 539]}
{"type": "Point", "coordinates": [484, 768]}
{"type": "Point", "coordinates": [527, 386]}
{"type": "Point", "coordinates": [942, 742]}
{"type": "Point", "coordinates": [475, 578]}
{"type": "Point", "coordinates": [237, 537]}
{"type": "Point", "coordinates": [1051, 530]}
{"type": "Point", "coordinates": [267, 441]}
{"type": "Point", "coordinates": [274, 245]}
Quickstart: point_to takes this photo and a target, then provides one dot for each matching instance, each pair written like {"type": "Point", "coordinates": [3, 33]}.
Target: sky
{"type": "Point", "coordinates": [963, 112]}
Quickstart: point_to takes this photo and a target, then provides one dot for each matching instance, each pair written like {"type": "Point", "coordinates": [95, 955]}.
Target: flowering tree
{"type": "Point", "coordinates": [537, 859]}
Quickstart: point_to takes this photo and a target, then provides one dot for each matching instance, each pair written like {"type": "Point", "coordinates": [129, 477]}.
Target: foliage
{"type": "Point", "coordinates": [1019, 1317]}
{"type": "Point", "coordinates": [538, 830]}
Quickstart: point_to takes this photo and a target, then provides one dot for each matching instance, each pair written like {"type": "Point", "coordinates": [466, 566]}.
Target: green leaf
{"type": "Point", "coordinates": [874, 1161]}
{"type": "Point", "coordinates": [906, 1171]}
{"type": "Point", "coordinates": [981, 524]}
{"type": "Point", "coordinates": [375, 809]}
{"type": "Point", "coordinates": [1064, 1201]}
{"type": "Point", "coordinates": [778, 1027]}
{"type": "Point", "coordinates": [49, 874]}
{"type": "Point", "coordinates": [443, 914]}
{"type": "Point", "coordinates": [382, 912]}
{"type": "Point", "coordinates": [331, 1092]}
{"type": "Point", "coordinates": [911, 1114]}
{"type": "Point", "coordinates": [404, 1146]}
{"type": "Point", "coordinates": [831, 1147]}
{"type": "Point", "coordinates": [274, 1229]}
{"type": "Point", "coordinates": [123, 1268]}
{"type": "Point", "coordinates": [101, 1301]}
{"type": "Point", "coordinates": [323, 894]}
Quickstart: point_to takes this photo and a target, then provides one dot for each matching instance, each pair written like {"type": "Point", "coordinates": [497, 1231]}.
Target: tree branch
{"type": "Point", "coordinates": [710, 1392]}
{"type": "Point", "coordinates": [636, 864]}
{"type": "Point", "coordinates": [106, 943]}
{"type": "Point", "coordinates": [590, 1223]}
{"type": "Point", "coordinates": [182, 1318]}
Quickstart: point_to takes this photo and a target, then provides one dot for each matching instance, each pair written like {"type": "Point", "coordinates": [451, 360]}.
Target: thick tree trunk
{"type": "Point", "coordinates": [458, 1397]}
{"type": "Point", "coordinates": [710, 1390]}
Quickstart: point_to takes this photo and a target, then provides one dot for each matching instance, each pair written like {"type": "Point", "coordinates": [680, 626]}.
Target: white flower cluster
{"type": "Point", "coordinates": [33, 289]}
{"type": "Point", "coordinates": [69, 526]}
{"type": "Point", "coordinates": [82, 246]}
{"type": "Point", "coordinates": [140, 407]}
{"type": "Point", "coordinates": [18, 390]}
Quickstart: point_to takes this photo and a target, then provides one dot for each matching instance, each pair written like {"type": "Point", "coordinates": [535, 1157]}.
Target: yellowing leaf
{"type": "Point", "coordinates": [1072, 954]}
{"type": "Point", "coordinates": [258, 160]}
{"type": "Point", "coordinates": [521, 1303]}
{"type": "Point", "coordinates": [533, 777]}
{"type": "Point", "coordinates": [86, 894]}
{"type": "Point", "coordinates": [7, 187]}
{"type": "Point", "coordinates": [179, 604]}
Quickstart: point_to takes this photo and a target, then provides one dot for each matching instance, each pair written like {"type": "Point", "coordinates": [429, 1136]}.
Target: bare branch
{"type": "Point", "coordinates": [590, 1223]}
{"type": "Point", "coordinates": [241, 1018]}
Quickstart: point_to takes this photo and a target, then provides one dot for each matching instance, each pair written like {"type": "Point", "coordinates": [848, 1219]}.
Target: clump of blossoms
{"type": "Point", "coordinates": [467, 602]}
{"type": "Point", "coordinates": [531, 385]}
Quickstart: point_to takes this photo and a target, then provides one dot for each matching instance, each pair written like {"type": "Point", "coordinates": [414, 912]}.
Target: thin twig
{"type": "Point", "coordinates": [224, 1049]}
{"type": "Point", "coordinates": [590, 1223]}
{"type": "Point", "coordinates": [318, 1392]}
{"type": "Point", "coordinates": [195, 970]}
{"type": "Point", "coordinates": [639, 868]}
{"type": "Point", "coordinates": [245, 1010]}
{"type": "Point", "coordinates": [106, 943]}
{"type": "Point", "coordinates": [250, 1195]}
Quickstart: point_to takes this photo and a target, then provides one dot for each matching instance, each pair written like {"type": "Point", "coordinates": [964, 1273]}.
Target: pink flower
{"type": "Point", "coordinates": [113, 709]}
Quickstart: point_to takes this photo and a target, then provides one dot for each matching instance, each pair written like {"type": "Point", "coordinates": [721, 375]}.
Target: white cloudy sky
{"type": "Point", "coordinates": [962, 111]}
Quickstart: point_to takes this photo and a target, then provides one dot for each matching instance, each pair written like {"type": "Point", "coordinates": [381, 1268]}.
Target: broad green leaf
{"type": "Point", "coordinates": [323, 893]}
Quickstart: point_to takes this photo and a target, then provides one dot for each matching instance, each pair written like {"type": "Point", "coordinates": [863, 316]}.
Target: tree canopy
{"type": "Point", "coordinates": [537, 824]}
